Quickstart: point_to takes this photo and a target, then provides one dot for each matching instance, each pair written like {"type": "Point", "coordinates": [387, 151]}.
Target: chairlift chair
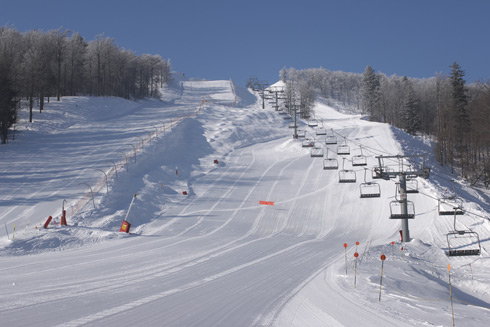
{"type": "Point", "coordinates": [359, 160]}
{"type": "Point", "coordinates": [301, 133]}
{"type": "Point", "coordinates": [377, 172]}
{"type": "Point", "coordinates": [396, 210]}
{"type": "Point", "coordinates": [330, 163]}
{"type": "Point", "coordinates": [330, 138]}
{"type": "Point", "coordinates": [321, 131]}
{"type": "Point", "coordinates": [346, 176]}
{"type": "Point", "coordinates": [312, 123]}
{"type": "Point", "coordinates": [287, 117]}
{"type": "Point", "coordinates": [412, 185]}
{"type": "Point", "coordinates": [292, 125]}
{"type": "Point", "coordinates": [307, 143]}
{"type": "Point", "coordinates": [462, 242]}
{"type": "Point", "coordinates": [369, 189]}
{"type": "Point", "coordinates": [450, 206]}
{"type": "Point", "coordinates": [344, 148]}
{"type": "Point", "coordinates": [316, 152]}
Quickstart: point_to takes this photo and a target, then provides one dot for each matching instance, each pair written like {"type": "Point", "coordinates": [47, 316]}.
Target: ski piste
{"type": "Point", "coordinates": [216, 256]}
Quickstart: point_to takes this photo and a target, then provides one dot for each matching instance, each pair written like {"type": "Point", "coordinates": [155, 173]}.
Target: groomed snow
{"type": "Point", "coordinates": [216, 257]}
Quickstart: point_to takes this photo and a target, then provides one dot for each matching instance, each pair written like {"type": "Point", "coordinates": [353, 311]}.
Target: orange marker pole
{"type": "Point", "coordinates": [383, 258]}
{"type": "Point", "coordinates": [356, 255]}
{"type": "Point", "coordinates": [345, 247]}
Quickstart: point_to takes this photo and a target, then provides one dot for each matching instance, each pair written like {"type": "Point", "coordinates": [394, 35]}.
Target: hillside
{"type": "Point", "coordinates": [216, 256]}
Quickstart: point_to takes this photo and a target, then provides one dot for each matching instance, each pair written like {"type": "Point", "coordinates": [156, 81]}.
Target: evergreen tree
{"type": "Point", "coordinates": [370, 93]}
{"type": "Point", "coordinates": [411, 109]}
{"type": "Point", "coordinates": [460, 100]}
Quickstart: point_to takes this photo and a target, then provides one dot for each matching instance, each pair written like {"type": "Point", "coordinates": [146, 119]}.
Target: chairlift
{"type": "Point", "coordinates": [301, 133]}
{"type": "Point", "coordinates": [412, 185]}
{"type": "Point", "coordinates": [308, 143]}
{"type": "Point", "coordinates": [321, 131]}
{"type": "Point", "coordinates": [312, 123]}
{"type": "Point", "coordinates": [292, 125]}
{"type": "Point", "coordinates": [330, 163]}
{"type": "Point", "coordinates": [359, 160]}
{"type": "Point", "coordinates": [346, 176]}
{"type": "Point", "coordinates": [287, 117]}
{"type": "Point", "coordinates": [330, 138]}
{"type": "Point", "coordinates": [450, 204]}
{"type": "Point", "coordinates": [462, 242]}
{"type": "Point", "coordinates": [396, 210]}
{"type": "Point", "coordinates": [343, 148]}
{"type": "Point", "coordinates": [377, 172]}
{"type": "Point", "coordinates": [316, 152]}
{"type": "Point", "coordinates": [369, 189]}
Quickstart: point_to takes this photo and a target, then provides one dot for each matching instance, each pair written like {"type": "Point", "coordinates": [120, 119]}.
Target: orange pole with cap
{"type": "Point", "coordinates": [383, 258]}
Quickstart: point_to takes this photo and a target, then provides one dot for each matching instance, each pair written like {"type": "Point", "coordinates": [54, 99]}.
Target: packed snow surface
{"type": "Point", "coordinates": [202, 249]}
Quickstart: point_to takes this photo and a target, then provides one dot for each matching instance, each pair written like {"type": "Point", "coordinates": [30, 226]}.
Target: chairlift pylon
{"type": "Point", "coordinates": [346, 176]}
{"type": "Point", "coordinates": [369, 189]}
{"type": "Point", "coordinates": [462, 242]}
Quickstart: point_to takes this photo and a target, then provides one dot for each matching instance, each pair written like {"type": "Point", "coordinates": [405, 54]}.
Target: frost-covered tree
{"type": "Point", "coordinates": [10, 50]}
{"type": "Point", "coordinates": [283, 74]}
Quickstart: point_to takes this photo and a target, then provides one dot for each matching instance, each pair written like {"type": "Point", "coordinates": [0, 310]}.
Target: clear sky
{"type": "Point", "coordinates": [222, 39]}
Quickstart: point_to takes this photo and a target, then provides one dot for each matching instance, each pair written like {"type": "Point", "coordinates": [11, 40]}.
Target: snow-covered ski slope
{"type": "Point", "coordinates": [216, 257]}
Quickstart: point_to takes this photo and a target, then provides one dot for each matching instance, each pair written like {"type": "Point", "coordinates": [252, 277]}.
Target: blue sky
{"type": "Point", "coordinates": [222, 39]}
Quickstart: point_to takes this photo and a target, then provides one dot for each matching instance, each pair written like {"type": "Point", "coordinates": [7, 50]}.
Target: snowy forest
{"type": "Point", "coordinates": [443, 108]}
{"type": "Point", "coordinates": [37, 65]}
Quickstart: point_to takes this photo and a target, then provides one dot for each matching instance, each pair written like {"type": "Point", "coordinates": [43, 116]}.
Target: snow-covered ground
{"type": "Point", "coordinates": [216, 257]}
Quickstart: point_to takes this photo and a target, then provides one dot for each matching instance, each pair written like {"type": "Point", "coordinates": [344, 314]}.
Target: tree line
{"type": "Point", "coordinates": [455, 115]}
{"type": "Point", "coordinates": [37, 65]}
